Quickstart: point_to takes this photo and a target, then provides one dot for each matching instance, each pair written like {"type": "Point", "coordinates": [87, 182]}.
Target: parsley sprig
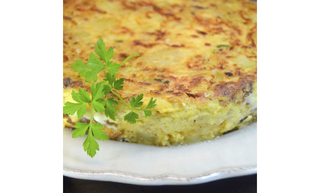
{"type": "Point", "coordinates": [98, 100]}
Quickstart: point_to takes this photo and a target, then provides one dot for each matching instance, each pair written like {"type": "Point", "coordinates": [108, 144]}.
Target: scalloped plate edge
{"type": "Point", "coordinates": [114, 176]}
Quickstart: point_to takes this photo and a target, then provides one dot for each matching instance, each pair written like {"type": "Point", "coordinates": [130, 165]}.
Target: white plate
{"type": "Point", "coordinates": [234, 154]}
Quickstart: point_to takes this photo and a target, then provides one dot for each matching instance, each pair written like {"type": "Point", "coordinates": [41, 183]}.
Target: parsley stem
{"type": "Point", "coordinates": [90, 124]}
{"type": "Point", "coordinates": [91, 118]}
{"type": "Point", "coordinates": [138, 109]}
{"type": "Point", "coordinates": [132, 55]}
{"type": "Point", "coordinates": [121, 99]}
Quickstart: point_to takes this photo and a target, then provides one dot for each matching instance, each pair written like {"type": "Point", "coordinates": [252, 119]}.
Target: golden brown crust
{"type": "Point", "coordinates": [112, 134]}
{"type": "Point", "coordinates": [190, 50]}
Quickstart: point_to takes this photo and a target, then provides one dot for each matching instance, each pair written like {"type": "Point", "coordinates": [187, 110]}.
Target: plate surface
{"type": "Point", "coordinates": [234, 154]}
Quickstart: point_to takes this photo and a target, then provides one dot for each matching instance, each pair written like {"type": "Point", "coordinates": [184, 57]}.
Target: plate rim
{"type": "Point", "coordinates": [164, 179]}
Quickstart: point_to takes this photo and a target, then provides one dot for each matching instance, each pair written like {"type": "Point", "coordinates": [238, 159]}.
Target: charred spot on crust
{"type": "Point", "coordinates": [201, 32]}
{"type": "Point", "coordinates": [65, 58]}
{"type": "Point", "coordinates": [67, 82]}
{"type": "Point", "coordinates": [228, 73]}
{"type": "Point", "coordinates": [156, 8]}
{"type": "Point", "coordinates": [197, 62]}
{"type": "Point", "coordinates": [98, 10]}
{"type": "Point", "coordinates": [243, 119]}
{"type": "Point", "coordinates": [178, 93]}
{"type": "Point", "coordinates": [222, 64]}
{"type": "Point", "coordinates": [180, 87]}
{"type": "Point", "coordinates": [165, 13]}
{"type": "Point", "coordinates": [159, 34]}
{"type": "Point", "coordinates": [160, 80]}
{"type": "Point", "coordinates": [230, 131]}
{"type": "Point", "coordinates": [123, 56]}
{"type": "Point", "coordinates": [198, 7]}
{"type": "Point", "coordinates": [138, 42]}
{"type": "Point", "coordinates": [71, 123]}
{"type": "Point", "coordinates": [195, 81]}
{"type": "Point", "coordinates": [69, 19]}
{"type": "Point", "coordinates": [128, 79]}
{"type": "Point", "coordinates": [144, 83]}
{"type": "Point", "coordinates": [231, 89]}
{"type": "Point", "coordinates": [177, 46]}
{"type": "Point", "coordinates": [193, 95]}
{"type": "Point", "coordinates": [155, 92]}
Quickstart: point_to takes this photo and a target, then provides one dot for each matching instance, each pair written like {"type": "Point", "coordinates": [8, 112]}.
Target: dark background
{"type": "Point", "coordinates": [244, 184]}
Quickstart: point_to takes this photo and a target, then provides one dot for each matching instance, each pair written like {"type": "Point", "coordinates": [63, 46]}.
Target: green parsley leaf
{"type": "Point", "coordinates": [97, 90]}
{"type": "Point", "coordinates": [147, 113]}
{"type": "Point", "coordinates": [90, 145]}
{"type": "Point", "coordinates": [82, 111]}
{"type": "Point", "coordinates": [91, 70]}
{"type": "Point", "coordinates": [139, 98]}
{"type": "Point", "coordinates": [110, 110]}
{"type": "Point", "coordinates": [98, 107]}
{"type": "Point", "coordinates": [72, 108]}
{"type": "Point", "coordinates": [113, 67]}
{"type": "Point", "coordinates": [99, 96]}
{"type": "Point", "coordinates": [98, 133]}
{"type": "Point", "coordinates": [100, 50]}
{"type": "Point", "coordinates": [131, 117]}
{"type": "Point", "coordinates": [84, 96]}
{"type": "Point", "coordinates": [118, 84]}
{"type": "Point", "coordinates": [81, 97]}
{"type": "Point", "coordinates": [83, 70]}
{"type": "Point", "coordinates": [106, 89]}
{"type": "Point", "coordinates": [76, 97]}
{"type": "Point", "coordinates": [110, 78]}
{"type": "Point", "coordinates": [80, 67]}
{"type": "Point", "coordinates": [95, 63]}
{"type": "Point", "coordinates": [136, 102]}
{"type": "Point", "coordinates": [95, 66]}
{"type": "Point", "coordinates": [133, 101]}
{"type": "Point", "coordinates": [151, 104]}
{"type": "Point", "coordinates": [81, 129]}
